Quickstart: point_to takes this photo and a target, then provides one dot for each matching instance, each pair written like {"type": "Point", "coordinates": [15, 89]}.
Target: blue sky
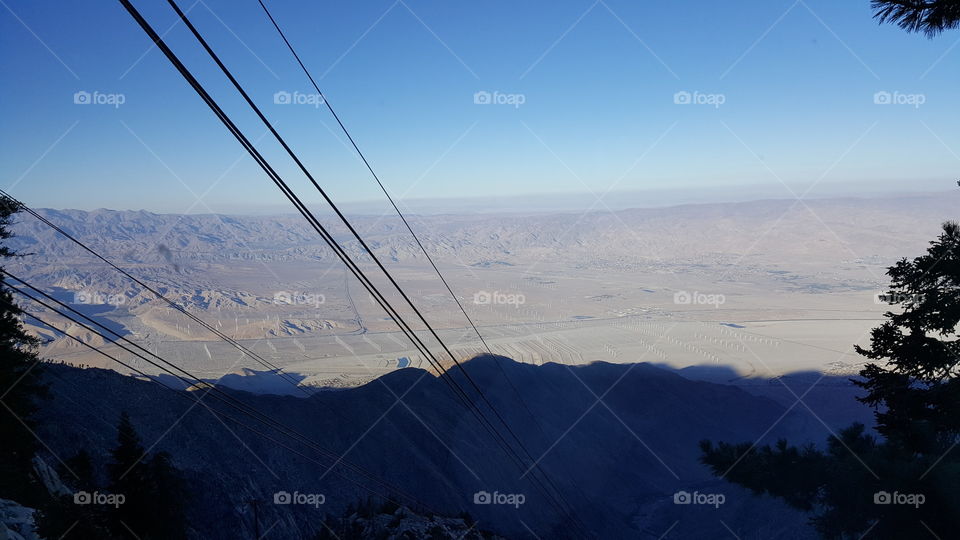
{"type": "Point", "coordinates": [597, 81]}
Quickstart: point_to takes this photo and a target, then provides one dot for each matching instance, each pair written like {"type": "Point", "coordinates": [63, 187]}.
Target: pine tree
{"type": "Point", "coordinates": [167, 489]}
{"type": "Point", "coordinates": [127, 477]}
{"type": "Point", "coordinates": [916, 394]}
{"type": "Point", "coordinates": [918, 387]}
{"type": "Point", "coordinates": [153, 489]}
{"type": "Point", "coordinates": [930, 17]}
{"type": "Point", "coordinates": [20, 385]}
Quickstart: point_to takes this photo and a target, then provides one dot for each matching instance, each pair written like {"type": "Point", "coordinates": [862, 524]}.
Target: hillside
{"type": "Point", "coordinates": [618, 461]}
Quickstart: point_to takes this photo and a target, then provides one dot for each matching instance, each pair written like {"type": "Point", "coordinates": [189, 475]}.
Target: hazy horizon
{"type": "Point", "coordinates": [538, 203]}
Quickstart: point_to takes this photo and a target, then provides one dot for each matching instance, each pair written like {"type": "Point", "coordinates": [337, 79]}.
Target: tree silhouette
{"type": "Point", "coordinates": [929, 17]}
{"type": "Point", "coordinates": [918, 388]}
{"type": "Point", "coordinates": [858, 483]}
{"type": "Point", "coordinates": [20, 386]}
{"type": "Point", "coordinates": [152, 488]}
{"type": "Point", "coordinates": [154, 496]}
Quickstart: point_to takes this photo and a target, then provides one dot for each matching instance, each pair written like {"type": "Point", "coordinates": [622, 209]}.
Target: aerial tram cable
{"type": "Point", "coordinates": [193, 381]}
{"type": "Point", "coordinates": [292, 196]}
{"type": "Point", "coordinates": [226, 71]}
{"type": "Point", "coordinates": [199, 400]}
{"type": "Point", "coordinates": [383, 188]}
{"type": "Point", "coordinates": [247, 352]}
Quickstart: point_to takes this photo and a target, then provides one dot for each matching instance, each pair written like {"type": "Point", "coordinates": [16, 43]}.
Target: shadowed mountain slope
{"type": "Point", "coordinates": [618, 461]}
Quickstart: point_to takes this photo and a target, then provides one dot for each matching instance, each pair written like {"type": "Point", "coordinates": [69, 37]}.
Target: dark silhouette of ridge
{"type": "Point", "coordinates": [619, 460]}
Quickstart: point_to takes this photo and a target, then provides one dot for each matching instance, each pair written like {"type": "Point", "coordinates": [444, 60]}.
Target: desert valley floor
{"type": "Point", "coordinates": [732, 292]}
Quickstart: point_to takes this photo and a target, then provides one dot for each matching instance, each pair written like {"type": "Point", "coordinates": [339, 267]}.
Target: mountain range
{"type": "Point", "coordinates": [618, 440]}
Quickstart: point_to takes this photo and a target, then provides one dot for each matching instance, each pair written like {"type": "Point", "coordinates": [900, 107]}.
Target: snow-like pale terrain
{"type": "Point", "coordinates": [16, 521]}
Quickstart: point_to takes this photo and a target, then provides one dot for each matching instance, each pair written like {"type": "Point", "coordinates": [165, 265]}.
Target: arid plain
{"type": "Point", "coordinates": [728, 291]}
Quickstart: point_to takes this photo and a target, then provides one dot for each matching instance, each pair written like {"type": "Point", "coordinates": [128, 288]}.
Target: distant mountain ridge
{"type": "Point", "coordinates": [680, 231]}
